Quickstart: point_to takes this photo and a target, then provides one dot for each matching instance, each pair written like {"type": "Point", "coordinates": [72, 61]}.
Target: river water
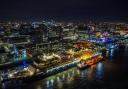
{"type": "Point", "coordinates": [112, 73]}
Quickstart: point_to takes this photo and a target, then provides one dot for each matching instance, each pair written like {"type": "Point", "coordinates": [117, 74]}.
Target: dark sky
{"type": "Point", "coordinates": [68, 10]}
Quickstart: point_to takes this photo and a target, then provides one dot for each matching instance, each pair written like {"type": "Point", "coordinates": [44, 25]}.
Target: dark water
{"type": "Point", "coordinates": [111, 73]}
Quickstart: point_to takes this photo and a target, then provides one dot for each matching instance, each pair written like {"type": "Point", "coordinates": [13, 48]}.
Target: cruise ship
{"type": "Point", "coordinates": [46, 65]}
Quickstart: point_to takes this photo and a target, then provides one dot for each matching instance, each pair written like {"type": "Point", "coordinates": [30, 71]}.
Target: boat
{"type": "Point", "coordinates": [90, 61]}
{"type": "Point", "coordinates": [39, 70]}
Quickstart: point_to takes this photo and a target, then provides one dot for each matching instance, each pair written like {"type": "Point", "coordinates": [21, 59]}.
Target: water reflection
{"type": "Point", "coordinates": [111, 51]}
{"type": "Point", "coordinates": [60, 79]}
{"type": "Point", "coordinates": [99, 69]}
{"type": "Point", "coordinates": [70, 76]}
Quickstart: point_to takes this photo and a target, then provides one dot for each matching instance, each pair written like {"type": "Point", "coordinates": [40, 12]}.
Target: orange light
{"type": "Point", "coordinates": [119, 31]}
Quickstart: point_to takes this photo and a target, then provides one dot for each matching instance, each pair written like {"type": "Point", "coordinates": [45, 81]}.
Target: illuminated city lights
{"type": "Point", "coordinates": [57, 52]}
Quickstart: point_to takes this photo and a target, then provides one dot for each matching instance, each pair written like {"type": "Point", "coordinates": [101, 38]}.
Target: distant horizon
{"type": "Point", "coordinates": [64, 20]}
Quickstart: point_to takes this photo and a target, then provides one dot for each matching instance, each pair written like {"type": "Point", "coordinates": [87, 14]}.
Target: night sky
{"type": "Point", "coordinates": [64, 10]}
